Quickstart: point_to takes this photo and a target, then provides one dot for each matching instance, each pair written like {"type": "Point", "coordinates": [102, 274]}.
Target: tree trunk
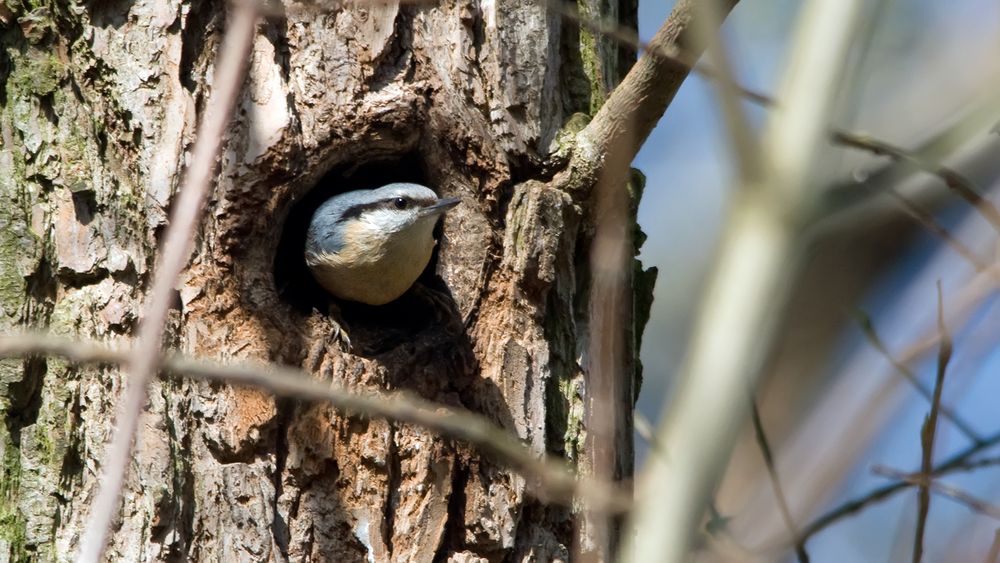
{"type": "Point", "coordinates": [476, 100]}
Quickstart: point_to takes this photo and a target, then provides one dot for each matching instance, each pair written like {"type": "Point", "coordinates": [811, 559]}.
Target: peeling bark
{"type": "Point", "coordinates": [478, 100]}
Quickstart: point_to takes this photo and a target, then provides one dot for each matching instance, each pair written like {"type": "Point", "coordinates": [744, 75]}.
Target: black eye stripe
{"type": "Point", "coordinates": [355, 211]}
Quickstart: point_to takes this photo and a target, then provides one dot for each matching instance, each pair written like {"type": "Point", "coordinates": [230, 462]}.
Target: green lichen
{"type": "Point", "coordinates": [19, 247]}
{"type": "Point", "coordinates": [15, 243]}
{"type": "Point", "coordinates": [592, 59]}
{"type": "Point", "coordinates": [565, 139]}
{"type": "Point", "coordinates": [570, 390]}
{"type": "Point", "coordinates": [66, 317]}
{"type": "Point", "coordinates": [37, 74]}
{"type": "Point", "coordinates": [12, 524]}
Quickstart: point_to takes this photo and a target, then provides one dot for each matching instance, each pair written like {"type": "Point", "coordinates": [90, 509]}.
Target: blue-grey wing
{"type": "Point", "coordinates": [325, 229]}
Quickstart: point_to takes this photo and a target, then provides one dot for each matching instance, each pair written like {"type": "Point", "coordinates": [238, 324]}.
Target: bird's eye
{"type": "Point", "coordinates": [400, 203]}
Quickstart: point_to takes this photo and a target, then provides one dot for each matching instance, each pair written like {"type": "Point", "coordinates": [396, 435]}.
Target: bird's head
{"type": "Point", "coordinates": [395, 208]}
{"type": "Point", "coordinates": [373, 217]}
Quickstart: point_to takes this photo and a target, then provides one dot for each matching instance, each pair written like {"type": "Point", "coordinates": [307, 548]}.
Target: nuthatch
{"type": "Point", "coordinates": [371, 245]}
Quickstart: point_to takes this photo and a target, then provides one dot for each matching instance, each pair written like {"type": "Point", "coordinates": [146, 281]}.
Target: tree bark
{"type": "Point", "coordinates": [477, 100]}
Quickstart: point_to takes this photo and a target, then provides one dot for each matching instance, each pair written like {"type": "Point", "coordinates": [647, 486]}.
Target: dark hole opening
{"type": "Point", "coordinates": [297, 287]}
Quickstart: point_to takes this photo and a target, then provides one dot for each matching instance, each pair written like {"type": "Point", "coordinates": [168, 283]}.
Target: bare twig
{"type": "Point", "coordinates": [552, 479]}
{"type": "Point", "coordinates": [964, 301]}
{"type": "Point", "coordinates": [779, 494]}
{"type": "Point", "coordinates": [671, 54]}
{"type": "Point", "coordinates": [959, 462]}
{"type": "Point", "coordinates": [958, 495]}
{"type": "Point", "coordinates": [955, 181]}
{"type": "Point", "coordinates": [868, 328]}
{"type": "Point", "coordinates": [928, 432]}
{"type": "Point", "coordinates": [928, 221]}
{"type": "Point", "coordinates": [176, 248]}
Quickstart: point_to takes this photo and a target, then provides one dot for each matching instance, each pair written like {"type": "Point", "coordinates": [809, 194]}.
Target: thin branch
{"type": "Point", "coordinates": [553, 479]}
{"type": "Point", "coordinates": [868, 328]}
{"type": "Point", "coordinates": [608, 350]}
{"type": "Point", "coordinates": [958, 495]}
{"type": "Point", "coordinates": [666, 53]}
{"type": "Point", "coordinates": [632, 109]}
{"type": "Point", "coordinates": [176, 248]}
{"type": "Point", "coordinates": [928, 431]}
{"type": "Point", "coordinates": [779, 493]}
{"type": "Point", "coordinates": [981, 463]}
{"type": "Point", "coordinates": [928, 221]}
{"type": "Point", "coordinates": [955, 181]}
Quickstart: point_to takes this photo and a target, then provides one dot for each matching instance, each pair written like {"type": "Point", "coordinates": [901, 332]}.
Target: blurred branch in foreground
{"type": "Point", "coordinates": [554, 479]}
{"type": "Point", "coordinates": [143, 363]}
{"type": "Point", "coordinates": [745, 292]}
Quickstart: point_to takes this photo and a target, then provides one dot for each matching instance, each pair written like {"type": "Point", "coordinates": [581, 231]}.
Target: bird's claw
{"type": "Point", "coordinates": [339, 328]}
{"type": "Point", "coordinates": [340, 335]}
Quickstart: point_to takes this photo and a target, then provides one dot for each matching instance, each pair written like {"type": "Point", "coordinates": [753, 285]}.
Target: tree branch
{"type": "Point", "coordinates": [176, 248]}
{"type": "Point", "coordinates": [959, 462]}
{"type": "Point", "coordinates": [772, 471]}
{"type": "Point", "coordinates": [955, 181]}
{"type": "Point", "coordinates": [950, 491]}
{"type": "Point", "coordinates": [553, 479]}
{"type": "Point", "coordinates": [666, 53]}
{"type": "Point", "coordinates": [631, 111]}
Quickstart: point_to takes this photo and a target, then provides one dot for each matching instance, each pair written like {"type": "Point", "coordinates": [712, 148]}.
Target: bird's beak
{"type": "Point", "coordinates": [440, 206]}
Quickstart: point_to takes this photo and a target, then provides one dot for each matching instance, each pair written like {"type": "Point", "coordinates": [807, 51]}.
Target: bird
{"type": "Point", "coordinates": [370, 246]}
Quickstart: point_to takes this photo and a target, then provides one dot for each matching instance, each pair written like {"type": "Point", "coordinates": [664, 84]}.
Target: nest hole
{"type": "Point", "coordinates": [297, 287]}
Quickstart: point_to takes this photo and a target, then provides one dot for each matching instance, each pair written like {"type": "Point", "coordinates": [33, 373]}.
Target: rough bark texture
{"type": "Point", "coordinates": [476, 99]}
